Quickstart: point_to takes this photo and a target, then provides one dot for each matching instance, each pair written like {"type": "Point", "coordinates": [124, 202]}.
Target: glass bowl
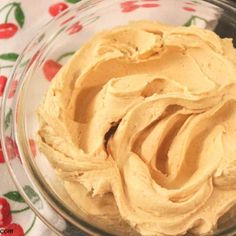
{"type": "Point", "coordinates": [35, 68]}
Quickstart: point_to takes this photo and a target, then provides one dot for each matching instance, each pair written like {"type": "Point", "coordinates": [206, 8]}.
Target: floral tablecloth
{"type": "Point", "coordinates": [19, 21]}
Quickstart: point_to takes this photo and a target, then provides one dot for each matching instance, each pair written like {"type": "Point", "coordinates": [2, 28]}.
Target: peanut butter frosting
{"type": "Point", "coordinates": [140, 125]}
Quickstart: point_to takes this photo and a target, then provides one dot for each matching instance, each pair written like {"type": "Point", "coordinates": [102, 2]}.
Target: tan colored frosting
{"type": "Point", "coordinates": [143, 117]}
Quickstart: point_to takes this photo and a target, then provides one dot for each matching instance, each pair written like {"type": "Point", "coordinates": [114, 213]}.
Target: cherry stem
{"type": "Point", "coordinates": [8, 13]}
{"type": "Point", "coordinates": [9, 4]}
{"type": "Point", "coordinates": [4, 67]}
{"type": "Point", "coordinates": [31, 226]}
{"type": "Point", "coordinates": [4, 7]}
{"type": "Point", "coordinates": [21, 210]}
{"type": "Point", "coordinates": [64, 55]}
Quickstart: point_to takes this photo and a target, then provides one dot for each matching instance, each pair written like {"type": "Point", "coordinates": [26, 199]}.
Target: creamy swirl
{"type": "Point", "coordinates": [143, 118]}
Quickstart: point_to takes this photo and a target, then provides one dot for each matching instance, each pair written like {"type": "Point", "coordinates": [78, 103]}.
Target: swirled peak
{"type": "Point", "coordinates": [140, 125]}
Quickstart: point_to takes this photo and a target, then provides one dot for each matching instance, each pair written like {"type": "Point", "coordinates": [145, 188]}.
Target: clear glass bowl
{"type": "Point", "coordinates": [52, 46]}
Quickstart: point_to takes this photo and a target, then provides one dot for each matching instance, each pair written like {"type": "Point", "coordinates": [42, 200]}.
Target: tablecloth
{"type": "Point", "coordinates": [19, 21]}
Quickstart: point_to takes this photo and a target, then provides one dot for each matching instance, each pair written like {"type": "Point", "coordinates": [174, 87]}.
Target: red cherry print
{"type": "Point", "coordinates": [55, 9]}
{"type": "Point", "coordinates": [12, 89]}
{"type": "Point", "coordinates": [189, 9]}
{"type": "Point", "coordinates": [128, 3]}
{"type": "Point", "coordinates": [9, 147]}
{"type": "Point", "coordinates": [12, 149]}
{"type": "Point", "coordinates": [33, 58]}
{"type": "Point", "coordinates": [5, 213]}
{"type": "Point", "coordinates": [129, 6]}
{"type": "Point", "coordinates": [190, 3]}
{"type": "Point", "coordinates": [7, 30]}
{"type": "Point", "coordinates": [150, 5]}
{"type": "Point", "coordinates": [3, 80]}
{"type": "Point", "coordinates": [50, 68]}
{"type": "Point", "coordinates": [32, 147]}
{"type": "Point", "coordinates": [16, 228]}
{"type": "Point", "coordinates": [76, 27]}
{"type": "Point", "coordinates": [2, 160]}
{"type": "Point", "coordinates": [16, 152]}
{"type": "Point", "coordinates": [67, 20]}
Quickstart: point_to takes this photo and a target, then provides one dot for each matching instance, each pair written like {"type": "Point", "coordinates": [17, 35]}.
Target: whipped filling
{"type": "Point", "coordinates": [140, 125]}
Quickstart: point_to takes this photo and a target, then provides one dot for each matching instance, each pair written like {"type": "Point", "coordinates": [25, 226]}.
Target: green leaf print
{"type": "Point", "coordinates": [14, 196]}
{"type": "Point", "coordinates": [73, 1]}
{"type": "Point", "coordinates": [9, 56]}
{"type": "Point", "coordinates": [19, 16]}
{"type": "Point", "coordinates": [8, 118]}
{"type": "Point", "coordinates": [33, 196]}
